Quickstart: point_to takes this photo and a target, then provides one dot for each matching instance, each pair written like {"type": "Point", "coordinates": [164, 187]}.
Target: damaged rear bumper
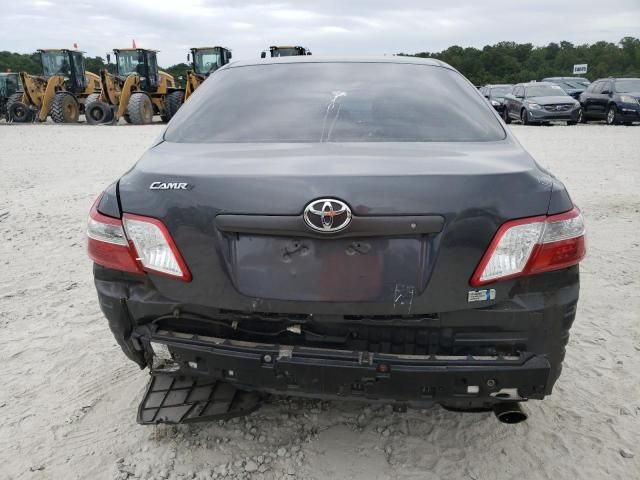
{"type": "Point", "coordinates": [512, 350]}
{"type": "Point", "coordinates": [457, 381]}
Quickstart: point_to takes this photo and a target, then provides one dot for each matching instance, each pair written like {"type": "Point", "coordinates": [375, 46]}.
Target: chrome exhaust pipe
{"type": "Point", "coordinates": [509, 412]}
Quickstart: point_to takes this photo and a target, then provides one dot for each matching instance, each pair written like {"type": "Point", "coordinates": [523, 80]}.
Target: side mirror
{"type": "Point", "coordinates": [108, 58]}
{"type": "Point", "coordinates": [229, 55]}
{"type": "Point", "coordinates": [520, 96]}
{"type": "Point", "coordinates": [308, 53]}
{"type": "Point", "coordinates": [263, 55]}
{"type": "Point", "coordinates": [189, 57]}
{"type": "Point", "coordinates": [486, 96]}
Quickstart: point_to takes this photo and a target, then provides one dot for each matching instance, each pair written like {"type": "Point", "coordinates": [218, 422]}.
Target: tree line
{"type": "Point", "coordinates": [510, 62]}
{"type": "Point", "coordinates": [504, 62]}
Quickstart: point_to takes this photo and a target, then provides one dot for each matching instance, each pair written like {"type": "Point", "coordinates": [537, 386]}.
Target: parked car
{"type": "Point", "coordinates": [615, 100]}
{"type": "Point", "coordinates": [495, 94]}
{"type": "Point", "coordinates": [372, 232]}
{"type": "Point", "coordinates": [540, 102]}
{"type": "Point", "coordinates": [574, 86]}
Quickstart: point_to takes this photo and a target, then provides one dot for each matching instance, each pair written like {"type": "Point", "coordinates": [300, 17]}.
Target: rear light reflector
{"type": "Point", "coordinates": [154, 246]}
{"type": "Point", "coordinates": [107, 244]}
{"type": "Point", "coordinates": [533, 245]}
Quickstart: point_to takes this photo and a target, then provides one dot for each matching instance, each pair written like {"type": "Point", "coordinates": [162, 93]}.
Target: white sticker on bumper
{"type": "Point", "coordinates": [481, 295]}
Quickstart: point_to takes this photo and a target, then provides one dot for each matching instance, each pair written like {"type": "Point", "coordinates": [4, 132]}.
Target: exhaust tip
{"type": "Point", "coordinates": [509, 412]}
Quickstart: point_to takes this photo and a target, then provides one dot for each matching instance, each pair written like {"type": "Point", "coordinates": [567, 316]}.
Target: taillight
{"type": "Point", "coordinates": [107, 244]}
{"type": "Point", "coordinates": [135, 244]}
{"type": "Point", "coordinates": [154, 246]}
{"type": "Point", "coordinates": [533, 245]}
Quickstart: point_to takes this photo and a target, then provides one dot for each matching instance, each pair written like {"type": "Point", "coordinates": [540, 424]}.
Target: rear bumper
{"type": "Point", "coordinates": [464, 382]}
{"type": "Point", "coordinates": [512, 349]}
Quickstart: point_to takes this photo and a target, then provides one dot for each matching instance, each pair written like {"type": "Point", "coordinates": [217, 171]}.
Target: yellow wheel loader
{"type": "Point", "coordinates": [61, 91]}
{"type": "Point", "coordinates": [285, 51]}
{"type": "Point", "coordinates": [9, 86]}
{"type": "Point", "coordinates": [204, 61]}
{"type": "Point", "coordinates": [136, 92]}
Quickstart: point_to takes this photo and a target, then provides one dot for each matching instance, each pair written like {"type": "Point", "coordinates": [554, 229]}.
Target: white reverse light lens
{"type": "Point", "coordinates": [106, 232]}
{"type": "Point", "coordinates": [513, 251]}
{"type": "Point", "coordinates": [153, 248]}
{"type": "Point", "coordinates": [563, 229]}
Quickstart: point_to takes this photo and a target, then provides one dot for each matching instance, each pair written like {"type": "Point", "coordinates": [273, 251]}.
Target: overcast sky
{"type": "Point", "coordinates": [326, 27]}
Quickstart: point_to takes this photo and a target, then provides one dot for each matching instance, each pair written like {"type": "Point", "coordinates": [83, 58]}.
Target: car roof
{"type": "Point", "coordinates": [532, 84]}
{"type": "Point", "coordinates": [499, 85]}
{"type": "Point", "coordinates": [316, 59]}
{"type": "Point", "coordinates": [615, 79]}
{"type": "Point", "coordinates": [550, 79]}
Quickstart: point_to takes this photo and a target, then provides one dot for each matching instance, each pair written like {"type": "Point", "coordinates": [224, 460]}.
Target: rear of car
{"type": "Point", "coordinates": [342, 228]}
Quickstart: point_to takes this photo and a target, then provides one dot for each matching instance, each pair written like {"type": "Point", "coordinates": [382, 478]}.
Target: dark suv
{"type": "Point", "coordinates": [616, 100]}
{"type": "Point", "coordinates": [574, 86]}
{"type": "Point", "coordinates": [540, 102]}
{"type": "Point", "coordinates": [495, 94]}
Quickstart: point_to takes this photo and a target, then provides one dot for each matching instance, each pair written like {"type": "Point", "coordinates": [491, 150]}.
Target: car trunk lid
{"type": "Point", "coordinates": [456, 195]}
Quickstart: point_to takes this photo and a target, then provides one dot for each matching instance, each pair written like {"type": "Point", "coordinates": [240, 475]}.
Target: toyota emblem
{"type": "Point", "coordinates": [327, 215]}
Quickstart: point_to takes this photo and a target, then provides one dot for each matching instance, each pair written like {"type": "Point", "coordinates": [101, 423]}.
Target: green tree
{"type": "Point", "coordinates": [510, 62]}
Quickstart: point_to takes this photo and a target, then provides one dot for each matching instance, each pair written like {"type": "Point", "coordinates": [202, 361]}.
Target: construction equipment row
{"type": "Point", "coordinates": [136, 91]}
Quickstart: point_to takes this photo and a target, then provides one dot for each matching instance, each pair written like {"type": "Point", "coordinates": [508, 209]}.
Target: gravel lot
{"type": "Point", "coordinates": [69, 396]}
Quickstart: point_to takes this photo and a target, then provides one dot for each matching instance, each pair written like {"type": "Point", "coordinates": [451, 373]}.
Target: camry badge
{"type": "Point", "coordinates": [169, 186]}
{"type": "Point", "coordinates": [327, 215]}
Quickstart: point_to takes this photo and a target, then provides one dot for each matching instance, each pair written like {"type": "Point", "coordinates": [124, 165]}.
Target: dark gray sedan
{"type": "Point", "coordinates": [361, 228]}
{"type": "Point", "coordinates": [540, 102]}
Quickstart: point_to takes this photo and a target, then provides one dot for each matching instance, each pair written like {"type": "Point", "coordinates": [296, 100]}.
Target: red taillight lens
{"type": "Point", "coordinates": [135, 244]}
{"type": "Point", "coordinates": [533, 245]}
{"type": "Point", "coordinates": [107, 244]}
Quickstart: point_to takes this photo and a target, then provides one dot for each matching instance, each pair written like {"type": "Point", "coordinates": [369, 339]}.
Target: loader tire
{"type": "Point", "coordinates": [172, 104]}
{"type": "Point", "coordinates": [65, 108]}
{"type": "Point", "coordinates": [94, 97]}
{"type": "Point", "coordinates": [140, 109]}
{"type": "Point", "coordinates": [20, 113]}
{"type": "Point", "coordinates": [97, 113]}
{"type": "Point", "coordinates": [16, 97]}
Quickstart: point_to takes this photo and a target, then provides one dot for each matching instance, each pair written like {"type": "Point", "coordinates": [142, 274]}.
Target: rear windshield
{"type": "Point", "coordinates": [335, 102]}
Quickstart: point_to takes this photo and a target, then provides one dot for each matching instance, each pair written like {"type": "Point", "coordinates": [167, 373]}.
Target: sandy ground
{"type": "Point", "coordinates": [68, 395]}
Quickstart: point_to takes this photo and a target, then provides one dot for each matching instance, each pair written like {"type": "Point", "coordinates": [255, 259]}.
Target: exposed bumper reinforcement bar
{"type": "Point", "coordinates": [413, 379]}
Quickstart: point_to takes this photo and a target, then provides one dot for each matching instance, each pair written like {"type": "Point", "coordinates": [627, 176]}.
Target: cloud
{"type": "Point", "coordinates": [328, 27]}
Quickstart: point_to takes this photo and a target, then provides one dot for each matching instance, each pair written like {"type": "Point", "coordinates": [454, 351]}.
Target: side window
{"type": "Point", "coordinates": [597, 87]}
{"type": "Point", "coordinates": [606, 86]}
{"type": "Point", "coordinates": [520, 92]}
